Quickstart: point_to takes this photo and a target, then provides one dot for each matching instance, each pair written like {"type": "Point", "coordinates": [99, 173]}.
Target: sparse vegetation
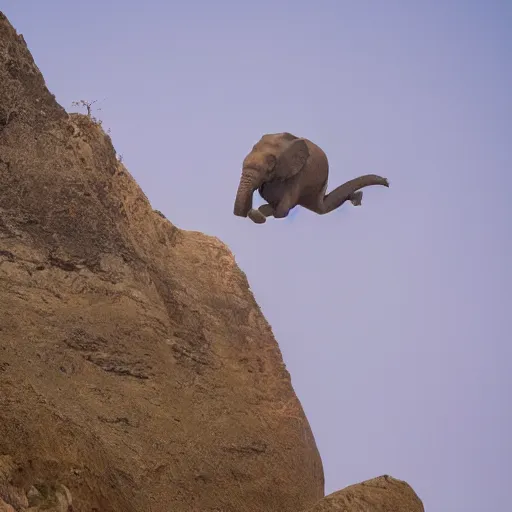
{"type": "Point", "coordinates": [88, 106]}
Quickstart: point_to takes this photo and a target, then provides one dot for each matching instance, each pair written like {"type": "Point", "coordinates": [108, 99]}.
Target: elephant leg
{"type": "Point", "coordinates": [260, 215]}
{"type": "Point", "coordinates": [283, 209]}
{"type": "Point", "coordinates": [356, 198]}
{"type": "Point", "coordinates": [266, 210]}
{"type": "Point", "coordinates": [349, 191]}
{"type": "Point", "coordinates": [330, 202]}
{"type": "Point", "coordinates": [337, 197]}
{"type": "Point", "coordinates": [288, 202]}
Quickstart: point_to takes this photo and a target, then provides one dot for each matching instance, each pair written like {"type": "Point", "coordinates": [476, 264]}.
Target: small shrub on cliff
{"type": "Point", "coordinates": [88, 106]}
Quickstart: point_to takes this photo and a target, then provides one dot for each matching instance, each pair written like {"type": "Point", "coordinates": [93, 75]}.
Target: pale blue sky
{"type": "Point", "coordinates": [393, 318]}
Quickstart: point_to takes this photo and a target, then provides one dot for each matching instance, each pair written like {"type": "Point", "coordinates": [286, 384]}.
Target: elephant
{"type": "Point", "coordinates": [291, 171]}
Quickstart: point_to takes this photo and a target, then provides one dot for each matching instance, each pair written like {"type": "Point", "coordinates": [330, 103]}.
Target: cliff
{"type": "Point", "coordinates": [137, 372]}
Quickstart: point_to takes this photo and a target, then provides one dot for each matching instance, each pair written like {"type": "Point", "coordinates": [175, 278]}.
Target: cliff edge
{"type": "Point", "coordinates": [137, 372]}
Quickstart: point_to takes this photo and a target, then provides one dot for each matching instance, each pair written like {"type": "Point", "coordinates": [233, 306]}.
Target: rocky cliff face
{"type": "Point", "coordinates": [137, 372]}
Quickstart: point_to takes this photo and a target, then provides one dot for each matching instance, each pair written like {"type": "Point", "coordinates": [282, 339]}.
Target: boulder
{"type": "Point", "coordinates": [381, 494]}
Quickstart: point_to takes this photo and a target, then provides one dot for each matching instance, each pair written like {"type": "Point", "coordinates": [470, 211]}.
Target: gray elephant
{"type": "Point", "coordinates": [290, 171]}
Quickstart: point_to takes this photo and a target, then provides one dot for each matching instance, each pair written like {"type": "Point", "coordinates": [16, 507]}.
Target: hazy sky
{"type": "Point", "coordinates": [394, 318]}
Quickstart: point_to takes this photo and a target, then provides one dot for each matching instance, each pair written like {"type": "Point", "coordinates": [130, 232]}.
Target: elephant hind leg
{"type": "Point", "coordinates": [356, 198]}
{"type": "Point", "coordinates": [349, 191]}
{"type": "Point", "coordinates": [326, 204]}
{"type": "Point", "coordinates": [337, 197]}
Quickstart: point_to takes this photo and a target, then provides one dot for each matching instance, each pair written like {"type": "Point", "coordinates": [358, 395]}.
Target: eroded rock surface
{"type": "Point", "coordinates": [16, 494]}
{"type": "Point", "coordinates": [137, 372]}
{"type": "Point", "coordinates": [381, 494]}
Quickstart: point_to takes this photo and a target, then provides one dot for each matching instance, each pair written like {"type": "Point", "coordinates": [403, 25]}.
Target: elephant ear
{"type": "Point", "coordinates": [292, 159]}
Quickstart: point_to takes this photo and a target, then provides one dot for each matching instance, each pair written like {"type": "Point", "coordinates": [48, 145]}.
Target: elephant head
{"type": "Point", "coordinates": [274, 157]}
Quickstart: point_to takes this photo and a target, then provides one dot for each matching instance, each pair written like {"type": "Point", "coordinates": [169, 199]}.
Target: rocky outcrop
{"type": "Point", "coordinates": [381, 494]}
{"type": "Point", "coordinates": [16, 495]}
{"type": "Point", "coordinates": [136, 368]}
{"type": "Point", "coordinates": [137, 372]}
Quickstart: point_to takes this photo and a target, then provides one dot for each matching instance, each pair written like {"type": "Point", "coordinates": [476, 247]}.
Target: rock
{"type": "Point", "coordinates": [11, 485]}
{"type": "Point", "coordinates": [136, 369]}
{"type": "Point", "coordinates": [5, 507]}
{"type": "Point", "coordinates": [49, 498]}
{"type": "Point", "coordinates": [381, 494]}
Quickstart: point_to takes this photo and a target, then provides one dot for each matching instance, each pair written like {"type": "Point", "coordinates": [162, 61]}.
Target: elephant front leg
{"type": "Point", "coordinates": [285, 205]}
{"type": "Point", "coordinates": [260, 215]}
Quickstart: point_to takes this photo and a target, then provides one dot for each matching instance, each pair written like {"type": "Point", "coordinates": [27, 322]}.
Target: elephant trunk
{"type": "Point", "coordinates": [250, 180]}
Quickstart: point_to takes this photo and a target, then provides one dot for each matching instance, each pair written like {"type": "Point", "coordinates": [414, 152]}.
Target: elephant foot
{"type": "Point", "coordinates": [356, 198]}
{"type": "Point", "coordinates": [256, 216]}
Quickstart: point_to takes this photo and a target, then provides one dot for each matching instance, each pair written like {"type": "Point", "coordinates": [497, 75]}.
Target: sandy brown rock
{"type": "Point", "coordinates": [381, 494]}
{"type": "Point", "coordinates": [5, 507]}
{"type": "Point", "coordinates": [49, 498]}
{"type": "Point", "coordinates": [12, 493]}
{"type": "Point", "coordinates": [136, 369]}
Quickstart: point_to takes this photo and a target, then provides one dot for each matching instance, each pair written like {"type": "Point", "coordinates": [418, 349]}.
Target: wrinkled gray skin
{"type": "Point", "coordinates": [289, 171]}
